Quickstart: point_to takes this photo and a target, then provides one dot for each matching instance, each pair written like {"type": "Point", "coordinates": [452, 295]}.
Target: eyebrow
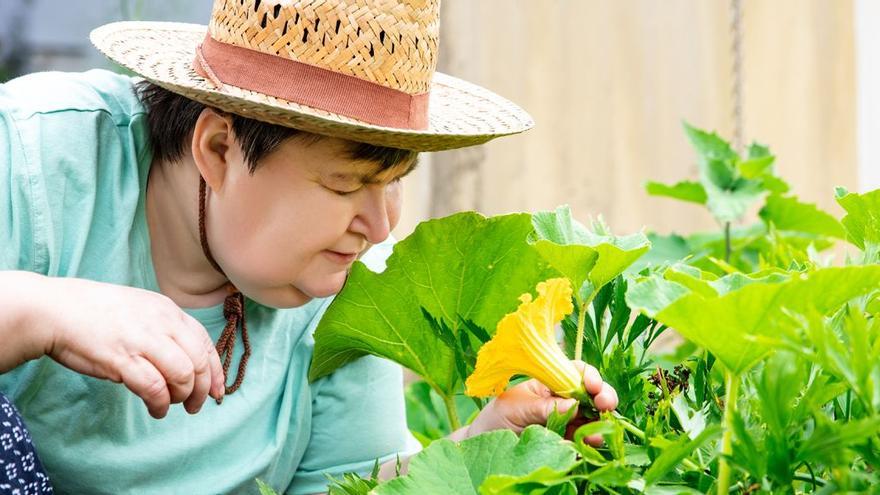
{"type": "Point", "coordinates": [371, 177]}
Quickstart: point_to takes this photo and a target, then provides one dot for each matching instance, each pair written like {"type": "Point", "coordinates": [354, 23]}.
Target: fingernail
{"type": "Point", "coordinates": [564, 405]}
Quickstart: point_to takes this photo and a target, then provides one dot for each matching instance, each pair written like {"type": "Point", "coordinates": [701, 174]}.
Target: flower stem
{"type": "Point", "coordinates": [727, 248]}
{"type": "Point", "coordinates": [579, 339]}
{"type": "Point", "coordinates": [451, 412]}
{"type": "Point", "coordinates": [582, 315]}
{"type": "Point", "coordinates": [731, 384]}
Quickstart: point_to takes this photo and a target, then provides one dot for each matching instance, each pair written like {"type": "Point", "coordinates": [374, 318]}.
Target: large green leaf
{"type": "Point", "coordinates": [862, 221]}
{"type": "Point", "coordinates": [732, 185]}
{"type": "Point", "coordinates": [729, 205]}
{"type": "Point", "coordinates": [725, 324]}
{"type": "Point", "coordinates": [581, 254]}
{"type": "Point", "coordinates": [447, 468]}
{"type": "Point", "coordinates": [693, 192]}
{"type": "Point", "coordinates": [564, 244]}
{"type": "Point", "coordinates": [787, 213]}
{"type": "Point", "coordinates": [465, 267]}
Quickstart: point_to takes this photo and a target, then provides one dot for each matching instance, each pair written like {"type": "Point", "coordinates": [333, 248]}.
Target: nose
{"type": "Point", "coordinates": [377, 213]}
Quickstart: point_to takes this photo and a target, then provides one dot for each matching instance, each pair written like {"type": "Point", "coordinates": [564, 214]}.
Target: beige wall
{"type": "Point", "coordinates": [609, 83]}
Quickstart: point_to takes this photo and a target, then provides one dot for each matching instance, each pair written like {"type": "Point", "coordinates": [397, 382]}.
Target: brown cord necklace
{"type": "Point", "coordinates": [233, 310]}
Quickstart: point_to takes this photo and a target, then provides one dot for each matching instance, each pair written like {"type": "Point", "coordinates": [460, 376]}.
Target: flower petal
{"type": "Point", "coordinates": [525, 343]}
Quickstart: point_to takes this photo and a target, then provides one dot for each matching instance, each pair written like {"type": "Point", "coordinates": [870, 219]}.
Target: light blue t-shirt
{"type": "Point", "coordinates": [74, 159]}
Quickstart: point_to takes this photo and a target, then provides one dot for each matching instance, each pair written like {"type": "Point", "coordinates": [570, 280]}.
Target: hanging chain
{"type": "Point", "coordinates": [736, 72]}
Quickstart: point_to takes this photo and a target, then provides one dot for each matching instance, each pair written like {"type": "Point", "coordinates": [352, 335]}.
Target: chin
{"type": "Point", "coordinates": [281, 298]}
{"type": "Point", "coordinates": [329, 285]}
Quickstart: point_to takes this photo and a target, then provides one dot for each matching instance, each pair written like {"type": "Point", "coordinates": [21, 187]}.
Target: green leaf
{"type": "Point", "coordinates": [693, 192]}
{"type": "Point", "coordinates": [447, 468]}
{"type": "Point", "coordinates": [540, 482]}
{"type": "Point", "coordinates": [664, 249]}
{"type": "Point", "coordinates": [787, 213]}
{"type": "Point", "coordinates": [568, 246]}
{"type": "Point", "coordinates": [352, 484]}
{"type": "Point", "coordinates": [709, 146]}
{"type": "Point", "coordinates": [692, 421]}
{"type": "Point", "coordinates": [557, 422]}
{"type": "Point", "coordinates": [829, 440]}
{"type": "Point", "coordinates": [615, 473]}
{"type": "Point", "coordinates": [265, 489]}
{"type": "Point", "coordinates": [562, 242]}
{"type": "Point", "coordinates": [462, 267]}
{"type": "Point", "coordinates": [673, 454]}
{"type": "Point", "coordinates": [729, 205]}
{"type": "Point", "coordinates": [774, 184]}
{"type": "Point", "coordinates": [755, 168]}
{"type": "Point", "coordinates": [757, 150]}
{"type": "Point", "coordinates": [726, 324]}
{"type": "Point", "coordinates": [862, 221]}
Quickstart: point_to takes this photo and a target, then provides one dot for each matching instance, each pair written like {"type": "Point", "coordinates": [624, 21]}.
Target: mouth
{"type": "Point", "coordinates": [339, 257]}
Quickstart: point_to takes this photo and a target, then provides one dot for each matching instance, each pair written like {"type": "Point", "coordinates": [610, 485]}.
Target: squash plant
{"type": "Point", "coordinates": [776, 388]}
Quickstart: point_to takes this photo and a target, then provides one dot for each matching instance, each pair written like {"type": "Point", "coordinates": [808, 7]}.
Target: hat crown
{"type": "Point", "coordinates": [392, 43]}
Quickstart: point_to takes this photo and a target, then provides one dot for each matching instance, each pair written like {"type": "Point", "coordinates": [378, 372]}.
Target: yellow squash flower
{"type": "Point", "coordinates": [525, 343]}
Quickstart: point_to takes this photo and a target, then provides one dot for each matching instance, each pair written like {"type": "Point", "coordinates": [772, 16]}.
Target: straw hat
{"type": "Point", "coordinates": [362, 70]}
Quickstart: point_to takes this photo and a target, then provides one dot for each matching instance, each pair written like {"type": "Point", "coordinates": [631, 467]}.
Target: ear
{"type": "Point", "coordinates": [212, 146]}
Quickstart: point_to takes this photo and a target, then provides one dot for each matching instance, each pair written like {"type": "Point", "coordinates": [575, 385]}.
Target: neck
{"type": "Point", "coordinates": [183, 271]}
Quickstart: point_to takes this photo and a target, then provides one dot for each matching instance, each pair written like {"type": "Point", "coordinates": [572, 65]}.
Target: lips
{"type": "Point", "coordinates": [341, 258]}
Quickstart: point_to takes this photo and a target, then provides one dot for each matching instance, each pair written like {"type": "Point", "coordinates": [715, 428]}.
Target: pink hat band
{"type": "Point", "coordinates": [223, 63]}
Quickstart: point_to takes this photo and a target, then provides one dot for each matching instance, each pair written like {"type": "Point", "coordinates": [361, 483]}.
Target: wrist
{"type": "Point", "coordinates": [460, 434]}
{"type": "Point", "coordinates": [23, 324]}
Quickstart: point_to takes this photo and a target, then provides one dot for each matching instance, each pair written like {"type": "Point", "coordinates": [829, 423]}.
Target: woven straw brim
{"type": "Point", "coordinates": [461, 113]}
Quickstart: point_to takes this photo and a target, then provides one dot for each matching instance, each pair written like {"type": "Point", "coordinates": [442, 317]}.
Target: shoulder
{"type": "Point", "coordinates": [55, 92]}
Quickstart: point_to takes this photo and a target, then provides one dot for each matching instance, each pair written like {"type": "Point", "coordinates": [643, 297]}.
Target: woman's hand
{"type": "Point", "coordinates": [531, 403]}
{"type": "Point", "coordinates": [131, 336]}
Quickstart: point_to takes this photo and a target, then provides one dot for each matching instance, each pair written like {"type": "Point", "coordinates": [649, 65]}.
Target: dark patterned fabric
{"type": "Point", "coordinates": [21, 472]}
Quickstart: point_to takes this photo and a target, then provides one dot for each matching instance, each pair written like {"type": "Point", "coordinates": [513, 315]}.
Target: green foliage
{"type": "Point", "coordinates": [776, 388]}
{"type": "Point", "coordinates": [459, 269]}
{"type": "Point", "coordinates": [448, 468]}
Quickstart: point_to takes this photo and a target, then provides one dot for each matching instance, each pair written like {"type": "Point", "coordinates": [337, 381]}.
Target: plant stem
{"type": "Point", "coordinates": [582, 315]}
{"type": "Point", "coordinates": [727, 249]}
{"type": "Point", "coordinates": [797, 477]}
{"type": "Point", "coordinates": [579, 336]}
{"type": "Point", "coordinates": [641, 436]}
{"type": "Point", "coordinates": [731, 384]}
{"type": "Point", "coordinates": [629, 426]}
{"type": "Point", "coordinates": [809, 479]}
{"type": "Point", "coordinates": [451, 412]}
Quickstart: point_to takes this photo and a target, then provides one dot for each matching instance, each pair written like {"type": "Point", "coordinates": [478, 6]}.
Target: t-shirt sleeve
{"type": "Point", "coordinates": [18, 219]}
{"type": "Point", "coordinates": [358, 415]}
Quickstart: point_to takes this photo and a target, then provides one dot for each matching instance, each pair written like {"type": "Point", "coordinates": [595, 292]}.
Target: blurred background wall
{"type": "Point", "coordinates": [609, 83]}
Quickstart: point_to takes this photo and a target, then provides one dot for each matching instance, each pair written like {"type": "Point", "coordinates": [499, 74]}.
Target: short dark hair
{"type": "Point", "coordinates": [172, 117]}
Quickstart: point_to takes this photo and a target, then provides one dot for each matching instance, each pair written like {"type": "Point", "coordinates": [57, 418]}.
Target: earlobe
{"type": "Point", "coordinates": [211, 142]}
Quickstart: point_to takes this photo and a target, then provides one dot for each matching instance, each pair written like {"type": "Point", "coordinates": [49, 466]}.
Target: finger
{"type": "Point", "coordinates": [194, 340]}
{"type": "Point", "coordinates": [145, 381]}
{"type": "Point", "coordinates": [606, 399]}
{"type": "Point", "coordinates": [559, 405]}
{"type": "Point", "coordinates": [592, 378]}
{"type": "Point", "coordinates": [593, 440]}
{"type": "Point", "coordinates": [174, 364]}
{"type": "Point", "coordinates": [218, 385]}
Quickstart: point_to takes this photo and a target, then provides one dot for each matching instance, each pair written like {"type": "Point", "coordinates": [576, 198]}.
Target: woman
{"type": "Point", "coordinates": [240, 184]}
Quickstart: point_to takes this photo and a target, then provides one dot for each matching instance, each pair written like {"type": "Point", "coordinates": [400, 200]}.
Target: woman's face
{"type": "Point", "coordinates": [290, 231]}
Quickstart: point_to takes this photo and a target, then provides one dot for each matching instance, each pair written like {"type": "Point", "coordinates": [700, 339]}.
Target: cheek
{"type": "Point", "coordinates": [273, 239]}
